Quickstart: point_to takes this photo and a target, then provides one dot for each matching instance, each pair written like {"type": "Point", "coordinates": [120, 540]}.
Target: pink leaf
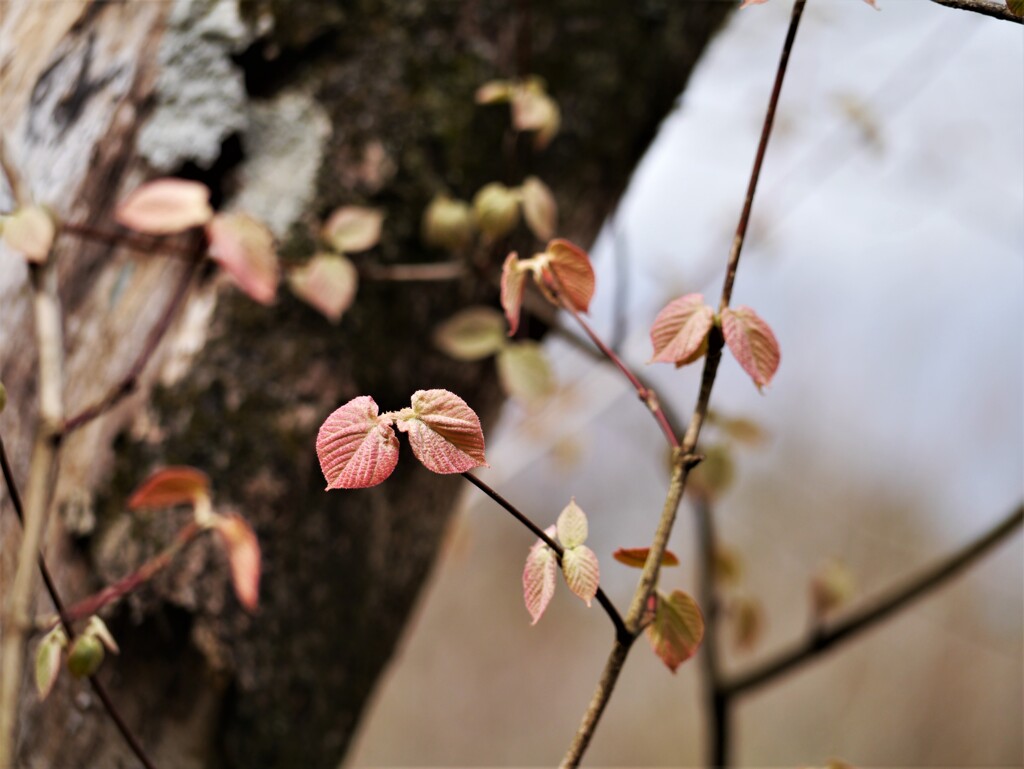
{"type": "Point", "coordinates": [30, 231]}
{"type": "Point", "coordinates": [444, 432]}
{"type": "Point", "coordinates": [512, 280]}
{"type": "Point", "coordinates": [681, 329]}
{"type": "Point", "coordinates": [752, 343]}
{"type": "Point", "coordinates": [574, 275]}
{"type": "Point", "coordinates": [165, 206]}
{"type": "Point", "coordinates": [353, 228]}
{"type": "Point", "coordinates": [356, 448]}
{"type": "Point", "coordinates": [677, 629]}
{"type": "Point", "coordinates": [637, 557]}
{"type": "Point", "coordinates": [327, 283]}
{"type": "Point", "coordinates": [539, 578]}
{"type": "Point", "coordinates": [244, 247]}
{"type": "Point", "coordinates": [572, 525]}
{"type": "Point", "coordinates": [539, 208]}
{"type": "Point", "coordinates": [747, 3]}
{"type": "Point", "coordinates": [243, 550]}
{"type": "Point", "coordinates": [582, 575]}
{"type": "Point", "coordinates": [171, 486]}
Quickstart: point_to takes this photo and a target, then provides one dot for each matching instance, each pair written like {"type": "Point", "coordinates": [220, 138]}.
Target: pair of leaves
{"type": "Point", "coordinates": [84, 654]}
{"type": "Point", "coordinates": [357, 446]}
{"type": "Point", "coordinates": [182, 485]}
{"type": "Point", "coordinates": [476, 333]}
{"type": "Point", "coordinates": [562, 272]}
{"type": "Point", "coordinates": [579, 563]}
{"type": "Point", "coordinates": [531, 106]}
{"type": "Point", "coordinates": [680, 332]}
{"type": "Point", "coordinates": [496, 209]}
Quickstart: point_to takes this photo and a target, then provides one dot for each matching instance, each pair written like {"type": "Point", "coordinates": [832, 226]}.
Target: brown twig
{"type": "Point", "coordinates": [613, 614]}
{"type": "Point", "coordinates": [151, 246]}
{"type": "Point", "coordinates": [716, 702]}
{"type": "Point", "coordinates": [66, 622]}
{"type": "Point", "coordinates": [984, 7]}
{"type": "Point", "coordinates": [877, 610]}
{"type": "Point", "coordinates": [431, 271]}
{"type": "Point", "coordinates": [684, 457]}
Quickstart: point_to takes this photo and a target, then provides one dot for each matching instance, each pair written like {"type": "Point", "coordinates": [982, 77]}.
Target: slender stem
{"type": "Point", "coordinates": [613, 614]}
{"type": "Point", "coordinates": [151, 246]}
{"type": "Point", "coordinates": [130, 380]}
{"type": "Point", "coordinates": [684, 457]}
{"type": "Point", "coordinates": [65, 620]}
{"type": "Point", "coordinates": [717, 705]}
{"type": "Point", "coordinates": [984, 7]}
{"type": "Point", "coordinates": [877, 610]}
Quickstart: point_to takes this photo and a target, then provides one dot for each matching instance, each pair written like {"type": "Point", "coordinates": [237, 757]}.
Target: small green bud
{"type": "Point", "coordinates": [85, 656]}
{"type": "Point", "coordinates": [496, 208]}
{"type": "Point", "coordinates": [448, 224]}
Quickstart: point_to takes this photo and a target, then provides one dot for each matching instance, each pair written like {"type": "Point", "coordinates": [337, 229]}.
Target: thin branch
{"type": "Point", "coordinates": [66, 622]}
{"type": "Point", "coordinates": [984, 7]}
{"type": "Point", "coordinates": [151, 246]}
{"type": "Point", "coordinates": [621, 634]}
{"type": "Point", "coordinates": [130, 380]}
{"type": "Point", "coordinates": [717, 704]}
{"type": "Point", "coordinates": [435, 271]}
{"type": "Point", "coordinates": [684, 458]}
{"type": "Point", "coordinates": [880, 609]}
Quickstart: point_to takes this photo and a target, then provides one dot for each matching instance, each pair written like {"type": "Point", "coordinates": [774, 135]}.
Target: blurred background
{"type": "Point", "coordinates": [887, 252]}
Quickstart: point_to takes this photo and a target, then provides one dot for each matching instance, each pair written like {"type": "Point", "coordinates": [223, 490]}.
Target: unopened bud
{"type": "Point", "coordinates": [85, 656]}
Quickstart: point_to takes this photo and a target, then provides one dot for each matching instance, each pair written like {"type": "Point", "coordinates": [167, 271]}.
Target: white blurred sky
{"type": "Point", "coordinates": [892, 271]}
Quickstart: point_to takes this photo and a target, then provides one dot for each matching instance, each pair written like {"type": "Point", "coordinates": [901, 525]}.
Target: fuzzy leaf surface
{"type": "Point", "coordinates": [244, 248]}
{"type": "Point", "coordinates": [680, 330]}
{"type": "Point", "coordinates": [327, 283]}
{"type": "Point", "coordinates": [573, 273]}
{"type": "Point", "coordinates": [351, 229]}
{"type": "Point", "coordinates": [572, 525]}
{"type": "Point", "coordinates": [677, 629]}
{"type": "Point", "coordinates": [471, 334]}
{"type": "Point", "coordinates": [355, 447]}
{"type": "Point", "coordinates": [752, 343]}
{"type": "Point", "coordinates": [539, 576]}
{"type": "Point", "coordinates": [30, 231]}
{"type": "Point", "coordinates": [171, 486]}
{"type": "Point", "coordinates": [524, 371]}
{"type": "Point", "coordinates": [165, 206]}
{"type": "Point", "coordinates": [444, 432]}
{"type": "Point", "coordinates": [539, 208]}
{"type": "Point", "coordinates": [637, 557]}
{"type": "Point", "coordinates": [582, 574]}
{"type": "Point", "coordinates": [513, 279]}
{"type": "Point", "coordinates": [243, 551]}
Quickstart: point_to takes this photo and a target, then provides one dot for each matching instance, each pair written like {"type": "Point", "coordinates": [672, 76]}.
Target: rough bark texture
{"type": "Point", "coordinates": [286, 108]}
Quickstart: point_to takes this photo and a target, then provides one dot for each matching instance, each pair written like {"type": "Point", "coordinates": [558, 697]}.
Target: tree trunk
{"type": "Point", "coordinates": [286, 109]}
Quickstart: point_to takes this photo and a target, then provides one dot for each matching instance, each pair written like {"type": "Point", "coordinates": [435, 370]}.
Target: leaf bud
{"type": "Point", "coordinates": [85, 656]}
{"type": "Point", "coordinates": [447, 224]}
{"type": "Point", "coordinates": [496, 208]}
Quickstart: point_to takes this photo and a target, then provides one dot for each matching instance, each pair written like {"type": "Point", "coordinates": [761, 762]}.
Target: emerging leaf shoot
{"type": "Point", "coordinates": [496, 209]}
{"type": "Point", "coordinates": [752, 343]}
{"type": "Point", "coordinates": [471, 334]}
{"type": "Point", "coordinates": [30, 231]}
{"type": "Point", "coordinates": [444, 432]}
{"type": "Point", "coordinates": [351, 229]}
{"type": "Point", "coordinates": [524, 371]}
{"type": "Point", "coordinates": [48, 660]}
{"type": "Point", "coordinates": [680, 331]}
{"type": "Point", "coordinates": [448, 224]}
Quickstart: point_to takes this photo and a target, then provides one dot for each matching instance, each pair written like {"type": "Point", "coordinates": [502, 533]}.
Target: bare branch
{"type": "Point", "coordinates": [984, 7]}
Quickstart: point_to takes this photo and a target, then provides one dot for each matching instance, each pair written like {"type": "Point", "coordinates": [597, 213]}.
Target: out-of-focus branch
{"type": "Point", "coordinates": [984, 7]}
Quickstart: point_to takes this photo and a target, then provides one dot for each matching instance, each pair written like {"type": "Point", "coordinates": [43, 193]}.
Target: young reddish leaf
{"type": "Point", "coordinates": [165, 206]}
{"type": "Point", "coordinates": [524, 371]}
{"type": "Point", "coordinates": [572, 525]}
{"type": "Point", "coordinates": [535, 110]}
{"type": "Point", "coordinates": [244, 247]}
{"type": "Point", "coordinates": [243, 550]}
{"type": "Point", "coordinates": [356, 448]}
{"type": "Point", "coordinates": [539, 577]}
{"type": "Point", "coordinates": [171, 486]}
{"type": "Point", "coordinates": [494, 92]}
{"type": "Point", "coordinates": [747, 622]}
{"type": "Point", "coordinates": [327, 283]}
{"type": "Point", "coordinates": [444, 432]}
{"type": "Point", "coordinates": [353, 228]}
{"type": "Point", "coordinates": [98, 629]}
{"type": "Point", "coordinates": [680, 330]}
{"type": "Point", "coordinates": [582, 574]}
{"type": "Point", "coordinates": [47, 666]}
{"type": "Point", "coordinates": [831, 587]}
{"type": "Point", "coordinates": [574, 275]}
{"type": "Point", "coordinates": [677, 629]}
{"type": "Point", "coordinates": [752, 343]}
{"type": "Point", "coordinates": [30, 231]}
{"type": "Point", "coordinates": [747, 3]}
{"type": "Point", "coordinates": [512, 279]}
{"type": "Point", "coordinates": [471, 334]}
{"type": "Point", "coordinates": [448, 224]}
{"type": "Point", "coordinates": [637, 557]}
{"type": "Point", "coordinates": [539, 208]}
{"type": "Point", "coordinates": [496, 209]}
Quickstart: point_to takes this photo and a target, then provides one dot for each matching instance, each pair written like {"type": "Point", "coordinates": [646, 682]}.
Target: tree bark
{"type": "Point", "coordinates": [287, 109]}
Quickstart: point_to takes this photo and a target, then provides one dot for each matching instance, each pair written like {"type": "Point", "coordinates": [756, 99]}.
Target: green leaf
{"type": "Point", "coordinates": [351, 229]}
{"type": "Point", "coordinates": [581, 570]}
{"type": "Point", "coordinates": [572, 525]}
{"type": "Point", "coordinates": [98, 628]}
{"type": "Point", "coordinates": [30, 231]}
{"type": "Point", "coordinates": [677, 629]}
{"type": "Point", "coordinates": [85, 656]}
{"type": "Point", "coordinates": [471, 334]}
{"type": "Point", "coordinates": [47, 666]}
{"type": "Point", "coordinates": [524, 371]}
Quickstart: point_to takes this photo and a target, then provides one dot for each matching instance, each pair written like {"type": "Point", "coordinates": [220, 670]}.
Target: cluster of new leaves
{"type": "Point", "coordinates": [562, 272]}
{"type": "Point", "coordinates": [532, 107]}
{"type": "Point", "coordinates": [578, 562]}
{"type": "Point", "coordinates": [169, 487]}
{"type": "Point", "coordinates": [358, 448]}
{"type": "Point", "coordinates": [680, 332]}
{"type": "Point", "coordinates": [478, 332]}
{"type": "Point", "coordinates": [244, 247]}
